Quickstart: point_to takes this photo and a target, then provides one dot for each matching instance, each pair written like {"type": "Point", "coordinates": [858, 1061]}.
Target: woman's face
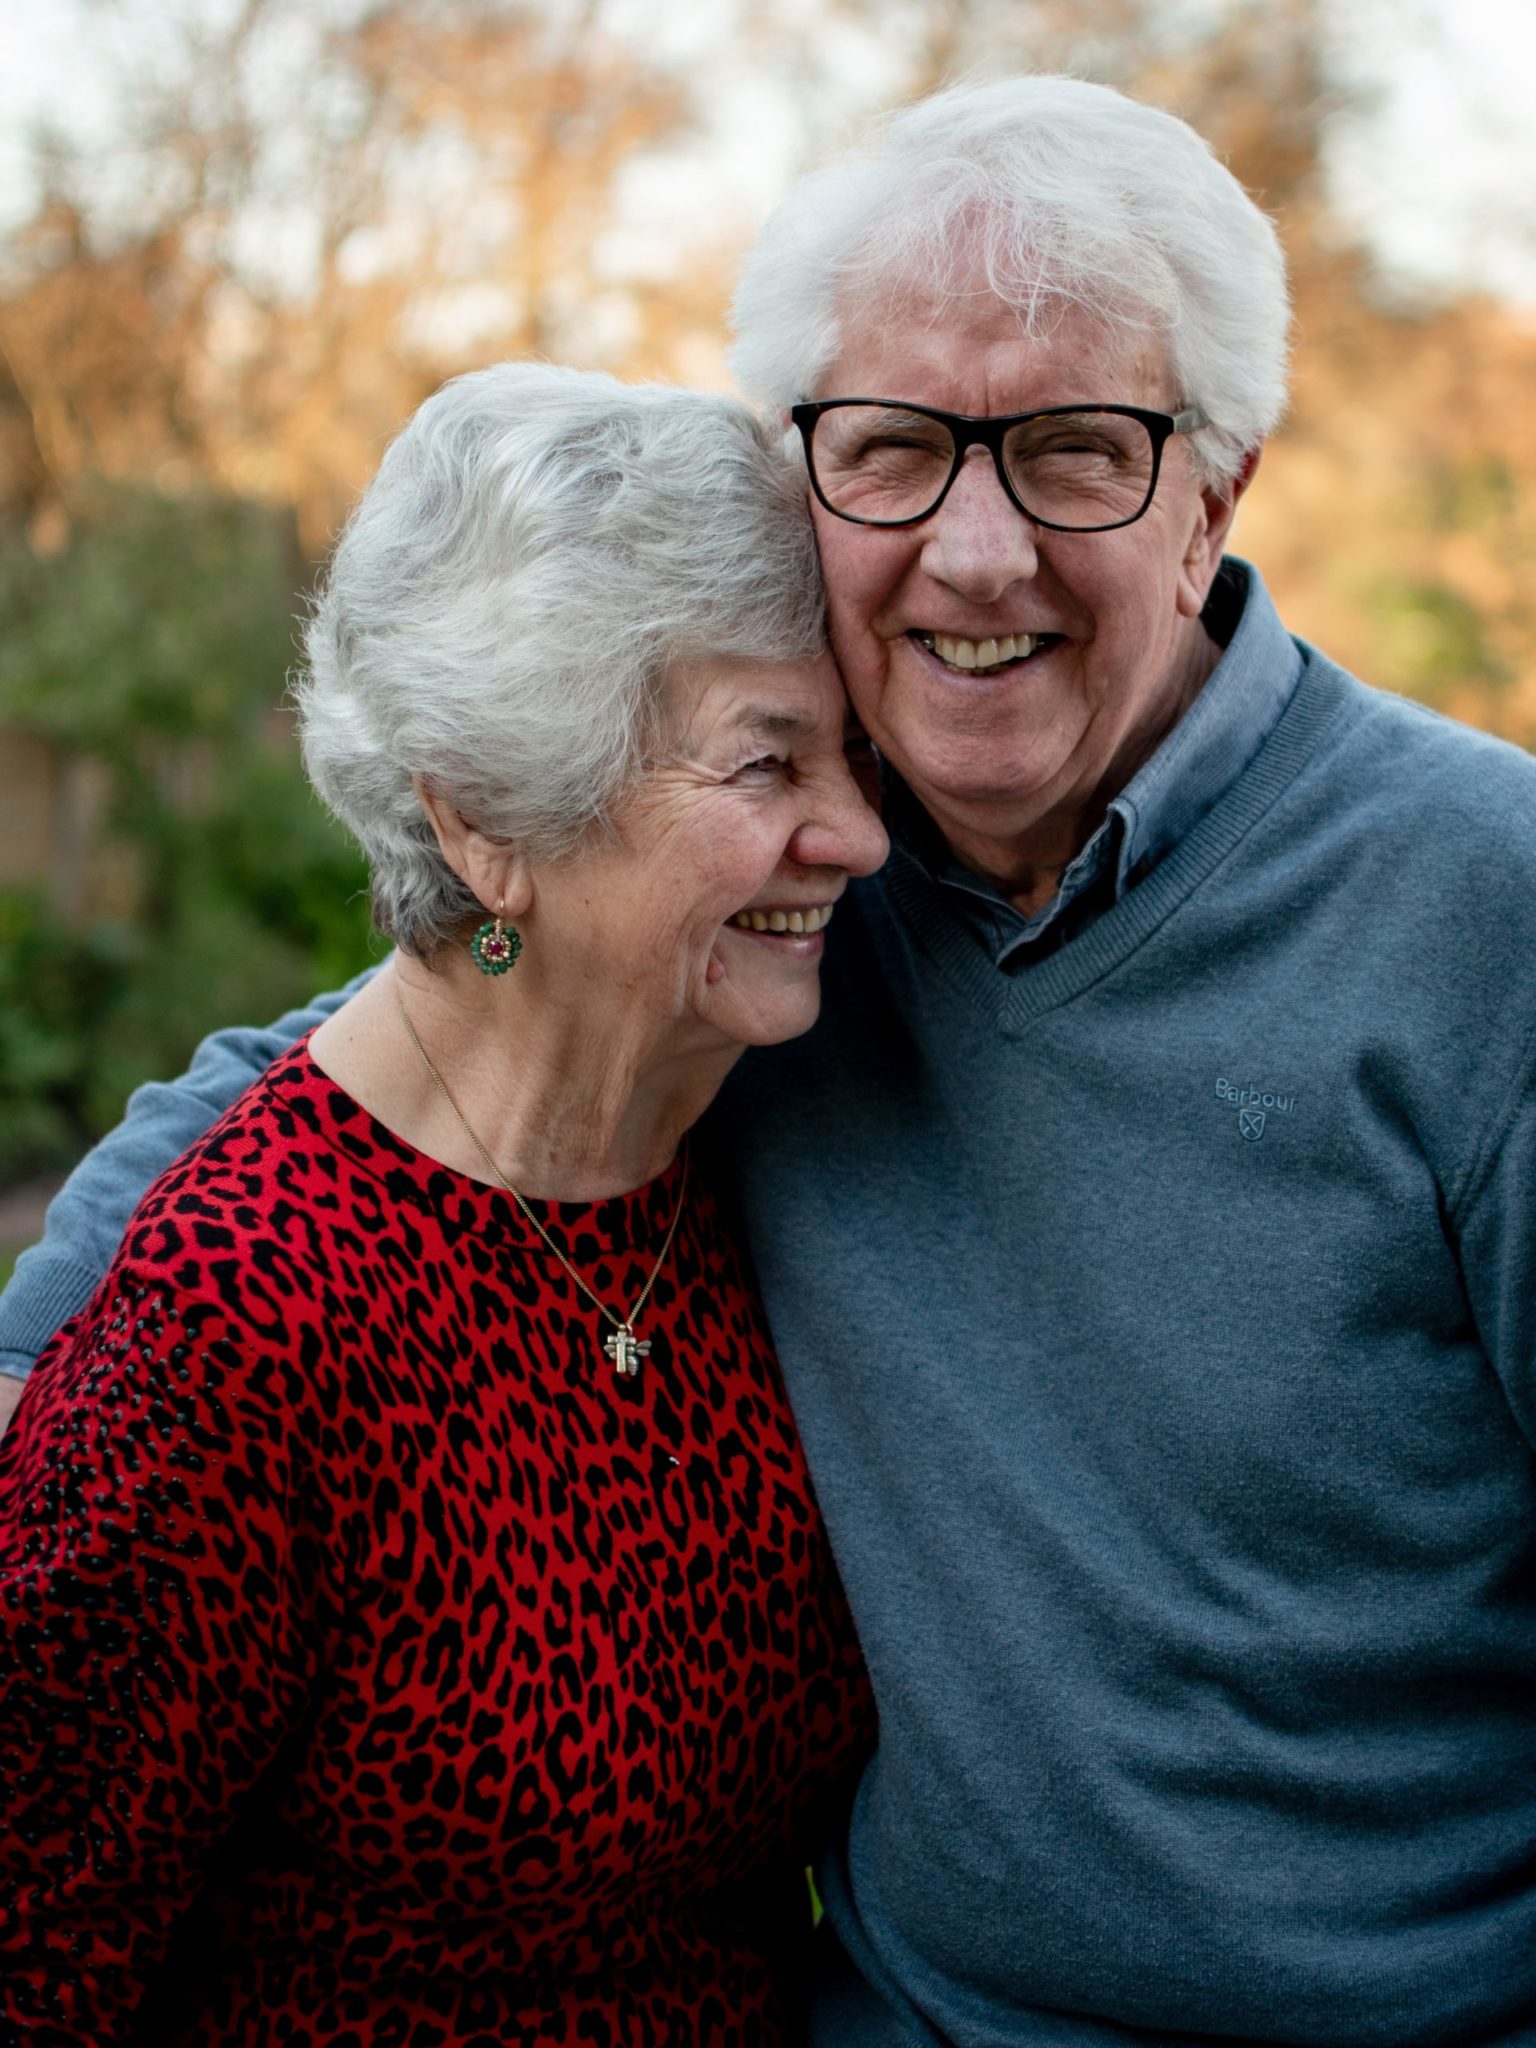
{"type": "Point", "coordinates": [754, 812]}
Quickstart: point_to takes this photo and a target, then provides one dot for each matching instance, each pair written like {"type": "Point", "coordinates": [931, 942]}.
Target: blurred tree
{"type": "Point", "coordinates": [148, 653]}
{"type": "Point", "coordinates": [331, 210]}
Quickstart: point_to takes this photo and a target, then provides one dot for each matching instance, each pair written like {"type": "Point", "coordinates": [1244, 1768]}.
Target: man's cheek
{"type": "Point", "coordinates": [861, 652]}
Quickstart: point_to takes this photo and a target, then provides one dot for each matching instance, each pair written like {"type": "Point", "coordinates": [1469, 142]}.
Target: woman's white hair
{"type": "Point", "coordinates": [538, 550]}
{"type": "Point", "coordinates": [1058, 193]}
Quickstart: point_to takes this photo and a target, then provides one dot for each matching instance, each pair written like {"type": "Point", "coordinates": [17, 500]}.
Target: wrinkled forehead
{"type": "Point", "coordinates": [777, 700]}
{"type": "Point", "coordinates": [956, 342]}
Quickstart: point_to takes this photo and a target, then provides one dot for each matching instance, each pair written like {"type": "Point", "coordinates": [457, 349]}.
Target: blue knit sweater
{"type": "Point", "coordinates": [1161, 1324]}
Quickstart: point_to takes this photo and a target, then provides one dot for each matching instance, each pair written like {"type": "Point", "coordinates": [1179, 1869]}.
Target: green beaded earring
{"type": "Point", "coordinates": [495, 947]}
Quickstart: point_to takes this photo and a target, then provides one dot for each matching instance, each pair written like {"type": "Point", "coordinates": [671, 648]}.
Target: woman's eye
{"type": "Point", "coordinates": [864, 766]}
{"type": "Point", "coordinates": [765, 764]}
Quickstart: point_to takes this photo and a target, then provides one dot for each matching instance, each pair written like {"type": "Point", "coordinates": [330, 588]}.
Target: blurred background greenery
{"type": "Point", "coordinates": [252, 234]}
{"type": "Point", "coordinates": [140, 664]}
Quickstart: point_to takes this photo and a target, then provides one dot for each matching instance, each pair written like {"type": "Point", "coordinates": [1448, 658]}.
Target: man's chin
{"type": "Point", "coordinates": [978, 753]}
{"type": "Point", "coordinates": [969, 797]}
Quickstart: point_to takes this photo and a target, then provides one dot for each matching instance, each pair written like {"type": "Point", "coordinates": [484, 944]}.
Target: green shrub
{"type": "Point", "coordinates": [155, 645]}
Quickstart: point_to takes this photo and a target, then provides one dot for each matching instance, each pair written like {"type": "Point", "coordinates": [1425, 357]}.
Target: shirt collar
{"type": "Point", "coordinates": [1199, 760]}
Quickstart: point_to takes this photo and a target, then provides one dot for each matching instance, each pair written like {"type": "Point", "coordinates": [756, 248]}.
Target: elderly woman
{"type": "Point", "coordinates": [413, 1594]}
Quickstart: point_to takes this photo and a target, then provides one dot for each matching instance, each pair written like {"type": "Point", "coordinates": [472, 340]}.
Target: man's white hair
{"type": "Point", "coordinates": [539, 550]}
{"type": "Point", "coordinates": [1057, 193]}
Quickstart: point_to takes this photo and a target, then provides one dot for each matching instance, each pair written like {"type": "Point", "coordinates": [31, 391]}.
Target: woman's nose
{"type": "Point", "coordinates": [843, 830]}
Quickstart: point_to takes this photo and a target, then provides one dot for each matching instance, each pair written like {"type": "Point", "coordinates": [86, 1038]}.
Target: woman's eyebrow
{"type": "Point", "coordinates": [778, 725]}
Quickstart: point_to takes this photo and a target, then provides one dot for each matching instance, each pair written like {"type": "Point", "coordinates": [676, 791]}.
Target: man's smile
{"type": "Point", "coordinates": [989, 657]}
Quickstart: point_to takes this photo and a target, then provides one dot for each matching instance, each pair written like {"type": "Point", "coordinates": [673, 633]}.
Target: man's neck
{"type": "Point", "coordinates": [1029, 875]}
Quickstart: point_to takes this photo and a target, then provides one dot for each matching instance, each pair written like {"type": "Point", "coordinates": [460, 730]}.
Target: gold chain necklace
{"type": "Point", "coordinates": [623, 1347]}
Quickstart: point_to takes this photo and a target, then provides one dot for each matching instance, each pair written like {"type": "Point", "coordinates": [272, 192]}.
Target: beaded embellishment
{"type": "Point", "coordinates": [495, 946]}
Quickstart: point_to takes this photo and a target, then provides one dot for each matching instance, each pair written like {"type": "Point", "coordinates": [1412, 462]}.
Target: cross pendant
{"type": "Point", "coordinates": [626, 1351]}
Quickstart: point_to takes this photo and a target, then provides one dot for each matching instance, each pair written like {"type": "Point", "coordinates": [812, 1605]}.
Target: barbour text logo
{"type": "Point", "coordinates": [1254, 1106]}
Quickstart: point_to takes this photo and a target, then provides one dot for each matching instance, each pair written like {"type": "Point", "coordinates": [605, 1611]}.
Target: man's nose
{"type": "Point", "coordinates": [978, 542]}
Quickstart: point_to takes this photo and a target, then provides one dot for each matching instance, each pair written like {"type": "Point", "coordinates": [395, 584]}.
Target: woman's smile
{"type": "Point", "coordinates": [806, 920]}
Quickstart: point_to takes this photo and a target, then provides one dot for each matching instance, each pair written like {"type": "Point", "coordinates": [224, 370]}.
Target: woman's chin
{"type": "Point", "coordinates": [764, 988]}
{"type": "Point", "coordinates": [776, 1026]}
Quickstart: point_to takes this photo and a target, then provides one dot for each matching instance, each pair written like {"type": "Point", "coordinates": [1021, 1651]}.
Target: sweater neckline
{"type": "Point", "coordinates": [1017, 999]}
{"type": "Point", "coordinates": [635, 1219]}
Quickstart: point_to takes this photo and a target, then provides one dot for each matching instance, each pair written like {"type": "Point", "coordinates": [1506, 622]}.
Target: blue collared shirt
{"type": "Point", "coordinates": [1204, 754]}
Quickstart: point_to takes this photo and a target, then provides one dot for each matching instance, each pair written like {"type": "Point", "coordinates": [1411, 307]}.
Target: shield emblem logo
{"type": "Point", "coordinates": [1251, 1123]}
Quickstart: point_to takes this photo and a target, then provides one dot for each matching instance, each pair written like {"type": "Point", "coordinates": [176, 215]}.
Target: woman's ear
{"type": "Point", "coordinates": [494, 872]}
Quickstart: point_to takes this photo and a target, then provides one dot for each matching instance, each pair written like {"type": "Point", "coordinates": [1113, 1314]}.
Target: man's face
{"type": "Point", "coordinates": [1027, 757]}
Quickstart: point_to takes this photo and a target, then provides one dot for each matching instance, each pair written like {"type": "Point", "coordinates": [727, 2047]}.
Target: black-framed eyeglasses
{"type": "Point", "coordinates": [1075, 468]}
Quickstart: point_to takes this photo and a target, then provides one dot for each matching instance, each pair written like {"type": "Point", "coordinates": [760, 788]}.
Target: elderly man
{"type": "Point", "coordinates": [1146, 1227]}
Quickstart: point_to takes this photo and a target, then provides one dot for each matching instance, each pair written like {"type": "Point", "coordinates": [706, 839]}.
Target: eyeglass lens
{"type": "Point", "coordinates": [1081, 469]}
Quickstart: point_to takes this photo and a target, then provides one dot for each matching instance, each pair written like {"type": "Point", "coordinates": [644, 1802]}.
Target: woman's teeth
{"type": "Point", "coordinates": [975, 656]}
{"type": "Point", "coordinates": [813, 920]}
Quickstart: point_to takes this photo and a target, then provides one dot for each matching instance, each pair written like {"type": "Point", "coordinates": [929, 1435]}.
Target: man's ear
{"type": "Point", "coordinates": [494, 872]}
{"type": "Point", "coordinates": [1208, 539]}
{"type": "Point", "coordinates": [1221, 501]}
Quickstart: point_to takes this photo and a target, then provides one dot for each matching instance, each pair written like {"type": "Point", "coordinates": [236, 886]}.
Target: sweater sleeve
{"type": "Point", "coordinates": [86, 1219]}
{"type": "Point", "coordinates": [157, 1642]}
{"type": "Point", "coordinates": [1495, 1224]}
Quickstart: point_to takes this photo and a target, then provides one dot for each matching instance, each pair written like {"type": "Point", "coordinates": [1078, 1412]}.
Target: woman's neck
{"type": "Point", "coordinates": [572, 1100]}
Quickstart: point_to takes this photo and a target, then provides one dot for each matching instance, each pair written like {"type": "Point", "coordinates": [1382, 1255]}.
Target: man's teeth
{"type": "Point", "coordinates": [974, 654]}
{"type": "Point", "coordinates": [813, 920]}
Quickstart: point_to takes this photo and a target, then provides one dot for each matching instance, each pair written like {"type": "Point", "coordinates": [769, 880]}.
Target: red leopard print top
{"type": "Point", "coordinates": [375, 1665]}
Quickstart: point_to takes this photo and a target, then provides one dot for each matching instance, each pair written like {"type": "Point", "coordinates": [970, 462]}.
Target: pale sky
{"type": "Point", "coordinates": [1444, 176]}
{"type": "Point", "coordinates": [1441, 174]}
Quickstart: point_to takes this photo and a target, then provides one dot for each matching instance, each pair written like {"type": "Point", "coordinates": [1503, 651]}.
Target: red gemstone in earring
{"type": "Point", "coordinates": [495, 947]}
